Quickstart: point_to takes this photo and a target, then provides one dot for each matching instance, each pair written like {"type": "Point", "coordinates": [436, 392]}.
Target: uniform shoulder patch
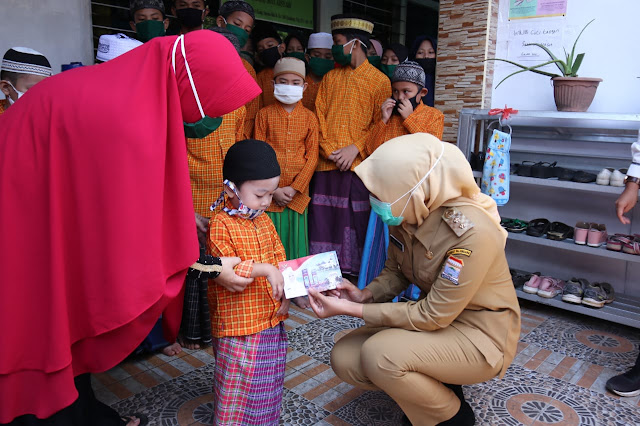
{"type": "Point", "coordinates": [452, 268]}
{"type": "Point", "coordinates": [457, 221]}
{"type": "Point", "coordinates": [459, 252]}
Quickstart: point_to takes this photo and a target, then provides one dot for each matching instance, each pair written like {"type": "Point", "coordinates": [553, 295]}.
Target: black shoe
{"type": "Point", "coordinates": [464, 416]}
{"type": "Point", "coordinates": [627, 384]}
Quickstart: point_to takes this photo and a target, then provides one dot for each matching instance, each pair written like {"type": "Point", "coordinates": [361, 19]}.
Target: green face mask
{"type": "Point", "coordinates": [242, 35]}
{"type": "Point", "coordinates": [146, 30]}
{"type": "Point", "coordinates": [388, 69]}
{"type": "Point", "coordinates": [297, 55]}
{"type": "Point", "coordinates": [337, 50]}
{"type": "Point", "coordinates": [321, 66]}
{"type": "Point", "coordinates": [374, 60]}
{"type": "Point", "coordinates": [202, 128]}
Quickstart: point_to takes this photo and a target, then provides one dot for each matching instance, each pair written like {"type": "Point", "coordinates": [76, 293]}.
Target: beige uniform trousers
{"type": "Point", "coordinates": [410, 367]}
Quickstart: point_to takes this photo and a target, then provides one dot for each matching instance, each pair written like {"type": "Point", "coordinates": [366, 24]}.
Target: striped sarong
{"type": "Point", "coordinates": [338, 217]}
{"type": "Point", "coordinates": [249, 376]}
{"type": "Point", "coordinates": [374, 254]}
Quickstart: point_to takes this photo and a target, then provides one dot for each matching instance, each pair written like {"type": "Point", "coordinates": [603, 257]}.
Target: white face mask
{"type": "Point", "coordinates": [19, 93]}
{"type": "Point", "coordinates": [287, 94]}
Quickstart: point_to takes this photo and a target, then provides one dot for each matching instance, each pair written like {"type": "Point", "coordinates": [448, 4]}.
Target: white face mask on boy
{"type": "Point", "coordinates": [19, 93]}
{"type": "Point", "coordinates": [287, 94]}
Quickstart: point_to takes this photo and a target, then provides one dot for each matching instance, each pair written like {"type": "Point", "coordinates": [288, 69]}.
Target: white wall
{"type": "Point", "coordinates": [611, 50]}
{"type": "Point", "coordinates": [59, 29]}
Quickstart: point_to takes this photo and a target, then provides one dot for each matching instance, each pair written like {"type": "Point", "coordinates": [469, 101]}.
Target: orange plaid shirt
{"type": "Point", "coordinates": [346, 105]}
{"type": "Point", "coordinates": [309, 95]}
{"type": "Point", "coordinates": [424, 119]}
{"type": "Point", "coordinates": [2, 102]}
{"type": "Point", "coordinates": [294, 137]}
{"type": "Point", "coordinates": [265, 81]}
{"type": "Point", "coordinates": [252, 107]}
{"type": "Point", "coordinates": [254, 309]}
{"type": "Point", "coordinates": [206, 156]}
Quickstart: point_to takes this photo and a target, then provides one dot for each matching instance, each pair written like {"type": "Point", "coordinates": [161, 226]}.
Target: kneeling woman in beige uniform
{"type": "Point", "coordinates": [446, 238]}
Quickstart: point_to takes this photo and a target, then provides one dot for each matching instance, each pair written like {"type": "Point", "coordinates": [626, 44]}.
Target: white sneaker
{"type": "Point", "coordinates": [617, 178]}
{"type": "Point", "coordinates": [604, 177]}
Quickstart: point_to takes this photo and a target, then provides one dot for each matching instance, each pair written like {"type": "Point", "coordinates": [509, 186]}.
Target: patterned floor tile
{"type": "Point", "coordinates": [316, 338]}
{"type": "Point", "coordinates": [296, 410]}
{"type": "Point", "coordinates": [528, 397]}
{"type": "Point", "coordinates": [598, 342]}
{"type": "Point", "coordinates": [371, 409]}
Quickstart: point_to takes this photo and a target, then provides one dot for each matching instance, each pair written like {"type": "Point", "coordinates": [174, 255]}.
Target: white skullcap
{"type": "Point", "coordinates": [111, 46]}
{"type": "Point", "coordinates": [320, 41]}
{"type": "Point", "coordinates": [23, 60]}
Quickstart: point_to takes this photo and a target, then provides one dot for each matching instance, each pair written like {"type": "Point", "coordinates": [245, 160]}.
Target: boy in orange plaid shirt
{"type": "Point", "coordinates": [249, 339]}
{"type": "Point", "coordinates": [292, 131]}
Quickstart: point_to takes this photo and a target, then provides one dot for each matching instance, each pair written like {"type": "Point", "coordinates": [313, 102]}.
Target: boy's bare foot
{"type": "Point", "coordinates": [188, 343]}
{"type": "Point", "coordinates": [172, 350]}
{"type": "Point", "coordinates": [302, 302]}
{"type": "Point", "coordinates": [136, 419]}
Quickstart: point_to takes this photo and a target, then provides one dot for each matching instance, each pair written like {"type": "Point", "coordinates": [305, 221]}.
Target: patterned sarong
{"type": "Point", "coordinates": [338, 217]}
{"type": "Point", "coordinates": [249, 377]}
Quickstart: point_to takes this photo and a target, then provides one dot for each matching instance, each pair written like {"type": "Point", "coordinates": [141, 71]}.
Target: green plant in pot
{"type": "Point", "coordinates": [571, 93]}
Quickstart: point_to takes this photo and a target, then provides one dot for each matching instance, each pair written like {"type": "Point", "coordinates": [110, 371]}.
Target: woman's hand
{"type": "Point", "coordinates": [328, 306]}
{"type": "Point", "coordinates": [349, 291]}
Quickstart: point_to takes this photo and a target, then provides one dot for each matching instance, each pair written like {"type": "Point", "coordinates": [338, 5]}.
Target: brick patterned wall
{"type": "Point", "coordinates": [466, 36]}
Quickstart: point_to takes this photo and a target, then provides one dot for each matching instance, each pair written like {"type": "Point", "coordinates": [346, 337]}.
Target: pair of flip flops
{"type": "Point", "coordinates": [554, 230]}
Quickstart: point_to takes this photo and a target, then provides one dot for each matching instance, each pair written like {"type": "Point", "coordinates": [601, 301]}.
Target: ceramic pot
{"type": "Point", "coordinates": [574, 93]}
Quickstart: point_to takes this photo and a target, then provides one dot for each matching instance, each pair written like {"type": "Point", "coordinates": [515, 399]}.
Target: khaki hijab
{"type": "Point", "coordinates": [399, 164]}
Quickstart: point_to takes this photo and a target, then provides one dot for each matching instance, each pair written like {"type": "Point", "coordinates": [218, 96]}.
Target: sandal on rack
{"type": "Point", "coordinates": [597, 235]}
{"type": "Point", "coordinates": [581, 232]}
{"type": "Point", "coordinates": [630, 245]}
{"type": "Point", "coordinates": [615, 242]}
{"type": "Point", "coordinates": [524, 169]}
{"type": "Point", "coordinates": [559, 231]}
{"type": "Point", "coordinates": [544, 170]}
{"type": "Point", "coordinates": [538, 227]}
{"type": "Point", "coordinates": [513, 225]}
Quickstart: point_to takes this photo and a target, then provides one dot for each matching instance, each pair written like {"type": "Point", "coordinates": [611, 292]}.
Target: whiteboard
{"type": "Point", "coordinates": [612, 52]}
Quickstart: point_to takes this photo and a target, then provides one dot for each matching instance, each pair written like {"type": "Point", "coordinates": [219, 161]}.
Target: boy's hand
{"type": "Point", "coordinates": [202, 225]}
{"type": "Point", "coordinates": [284, 307]}
{"type": "Point", "coordinates": [387, 109]}
{"type": "Point", "coordinates": [228, 278]}
{"type": "Point", "coordinates": [276, 280]}
{"type": "Point", "coordinates": [281, 196]}
{"type": "Point", "coordinates": [344, 157]}
{"type": "Point", "coordinates": [405, 108]}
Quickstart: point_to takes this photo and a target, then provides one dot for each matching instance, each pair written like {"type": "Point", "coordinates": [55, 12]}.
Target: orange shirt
{"type": "Point", "coordinates": [265, 81]}
{"type": "Point", "coordinates": [254, 309]}
{"type": "Point", "coordinates": [2, 102]}
{"type": "Point", "coordinates": [424, 119]}
{"type": "Point", "coordinates": [309, 95]}
{"type": "Point", "coordinates": [252, 107]}
{"type": "Point", "coordinates": [346, 105]}
{"type": "Point", "coordinates": [206, 156]}
{"type": "Point", "coordinates": [294, 137]}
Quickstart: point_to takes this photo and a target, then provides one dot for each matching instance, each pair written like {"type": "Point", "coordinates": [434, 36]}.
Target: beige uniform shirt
{"type": "Point", "coordinates": [457, 259]}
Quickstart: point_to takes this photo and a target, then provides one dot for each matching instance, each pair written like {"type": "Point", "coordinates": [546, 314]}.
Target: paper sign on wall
{"type": "Point", "coordinates": [524, 9]}
{"type": "Point", "coordinates": [549, 34]}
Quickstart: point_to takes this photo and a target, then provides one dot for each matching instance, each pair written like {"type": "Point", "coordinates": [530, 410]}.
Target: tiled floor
{"type": "Point", "coordinates": [557, 377]}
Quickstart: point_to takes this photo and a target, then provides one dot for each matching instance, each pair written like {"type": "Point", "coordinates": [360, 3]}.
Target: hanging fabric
{"type": "Point", "coordinates": [495, 174]}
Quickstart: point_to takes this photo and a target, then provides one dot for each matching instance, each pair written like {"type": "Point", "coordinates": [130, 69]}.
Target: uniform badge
{"type": "Point", "coordinates": [452, 268]}
{"type": "Point", "coordinates": [459, 251]}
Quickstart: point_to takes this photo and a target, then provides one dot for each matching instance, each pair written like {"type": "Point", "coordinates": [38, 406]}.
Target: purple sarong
{"type": "Point", "coordinates": [338, 217]}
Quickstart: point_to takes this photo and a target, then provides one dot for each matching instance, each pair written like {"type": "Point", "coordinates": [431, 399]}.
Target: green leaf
{"type": "Point", "coordinates": [524, 69]}
{"type": "Point", "coordinates": [561, 65]}
{"type": "Point", "coordinates": [573, 50]}
{"type": "Point", "coordinates": [576, 65]}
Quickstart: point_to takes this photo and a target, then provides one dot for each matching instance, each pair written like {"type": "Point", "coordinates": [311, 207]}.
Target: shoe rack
{"type": "Point", "coordinates": [579, 141]}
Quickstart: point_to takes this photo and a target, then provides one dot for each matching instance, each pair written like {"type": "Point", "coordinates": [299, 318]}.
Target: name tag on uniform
{"type": "Point", "coordinates": [396, 242]}
{"type": "Point", "coordinates": [452, 268]}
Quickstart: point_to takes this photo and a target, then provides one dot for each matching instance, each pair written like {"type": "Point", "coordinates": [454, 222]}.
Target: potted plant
{"type": "Point", "coordinates": [571, 93]}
